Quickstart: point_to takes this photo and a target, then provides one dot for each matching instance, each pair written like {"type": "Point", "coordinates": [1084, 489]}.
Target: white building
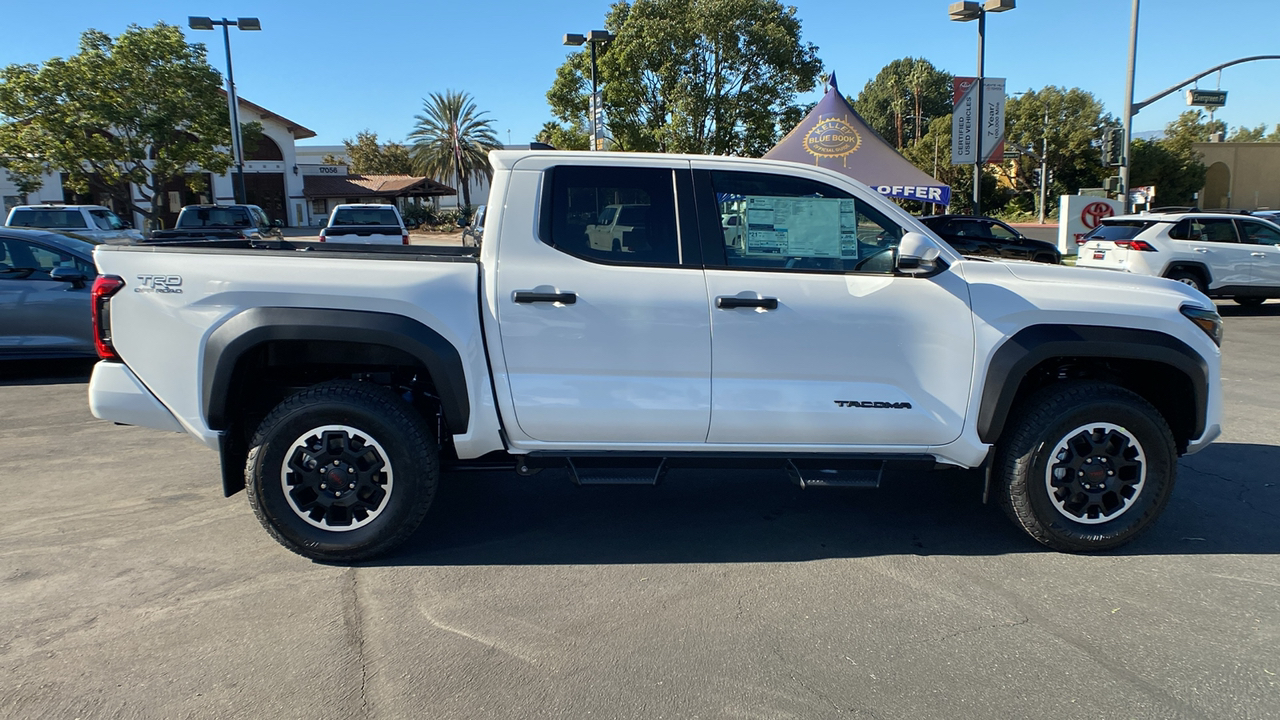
{"type": "Point", "coordinates": [273, 179]}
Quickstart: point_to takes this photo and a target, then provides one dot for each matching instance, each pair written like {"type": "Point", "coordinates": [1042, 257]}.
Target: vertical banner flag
{"type": "Point", "coordinates": [597, 111]}
{"type": "Point", "coordinates": [964, 117]}
{"type": "Point", "coordinates": [965, 123]}
{"type": "Point", "coordinates": [993, 120]}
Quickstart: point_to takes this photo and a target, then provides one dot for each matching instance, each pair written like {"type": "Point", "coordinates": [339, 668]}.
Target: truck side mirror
{"type": "Point", "coordinates": [916, 254]}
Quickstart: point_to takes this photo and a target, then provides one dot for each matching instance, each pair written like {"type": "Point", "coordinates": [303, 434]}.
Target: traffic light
{"type": "Point", "coordinates": [1113, 147]}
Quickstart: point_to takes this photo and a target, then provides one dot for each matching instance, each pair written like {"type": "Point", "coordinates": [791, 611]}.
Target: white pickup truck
{"type": "Point", "coordinates": [837, 336]}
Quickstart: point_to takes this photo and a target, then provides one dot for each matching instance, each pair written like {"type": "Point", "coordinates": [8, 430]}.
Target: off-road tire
{"type": "Point", "coordinates": [1033, 433]}
{"type": "Point", "coordinates": [375, 413]}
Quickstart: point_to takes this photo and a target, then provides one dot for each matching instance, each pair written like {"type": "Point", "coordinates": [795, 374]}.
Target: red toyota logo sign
{"type": "Point", "coordinates": [1094, 212]}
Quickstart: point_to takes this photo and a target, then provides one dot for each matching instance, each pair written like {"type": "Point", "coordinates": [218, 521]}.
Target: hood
{"type": "Point", "coordinates": [1084, 278]}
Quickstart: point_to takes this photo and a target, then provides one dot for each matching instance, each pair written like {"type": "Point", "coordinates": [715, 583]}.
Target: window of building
{"type": "Point", "coordinates": [782, 222]}
{"type": "Point", "coordinates": [319, 207]}
{"type": "Point", "coordinates": [617, 215]}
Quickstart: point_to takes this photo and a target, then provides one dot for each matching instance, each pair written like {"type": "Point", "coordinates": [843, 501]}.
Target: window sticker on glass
{"type": "Point", "coordinates": [800, 227]}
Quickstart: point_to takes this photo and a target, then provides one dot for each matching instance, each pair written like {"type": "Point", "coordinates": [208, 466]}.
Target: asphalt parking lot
{"type": "Point", "coordinates": [130, 588]}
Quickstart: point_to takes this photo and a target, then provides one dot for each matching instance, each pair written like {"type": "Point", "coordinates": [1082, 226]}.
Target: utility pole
{"type": "Point", "coordinates": [1044, 164]}
{"type": "Point", "coordinates": [1128, 108]}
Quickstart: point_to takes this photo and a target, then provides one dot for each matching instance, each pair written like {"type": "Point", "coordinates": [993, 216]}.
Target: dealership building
{"type": "Point", "coordinates": [288, 182]}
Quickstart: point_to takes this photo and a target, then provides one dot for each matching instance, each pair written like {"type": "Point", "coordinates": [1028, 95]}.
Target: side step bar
{"type": "Point", "coordinates": [836, 473]}
{"type": "Point", "coordinates": [609, 471]}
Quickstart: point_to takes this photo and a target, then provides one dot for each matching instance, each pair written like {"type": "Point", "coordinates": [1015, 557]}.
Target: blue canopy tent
{"type": "Point", "coordinates": [834, 136]}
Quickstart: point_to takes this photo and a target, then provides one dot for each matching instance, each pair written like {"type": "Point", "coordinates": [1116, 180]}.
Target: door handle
{"type": "Point", "coordinates": [729, 302]}
{"type": "Point", "coordinates": [1201, 250]}
{"type": "Point", "coordinates": [1258, 254]}
{"type": "Point", "coordinates": [529, 296]}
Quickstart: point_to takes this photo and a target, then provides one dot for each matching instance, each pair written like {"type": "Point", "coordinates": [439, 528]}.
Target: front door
{"type": "Point", "coordinates": [1213, 241]}
{"type": "Point", "coordinates": [603, 342]}
{"type": "Point", "coordinates": [38, 315]}
{"type": "Point", "coordinates": [1263, 242]}
{"type": "Point", "coordinates": [816, 340]}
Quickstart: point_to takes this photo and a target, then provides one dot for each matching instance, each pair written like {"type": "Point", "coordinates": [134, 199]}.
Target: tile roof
{"type": "Point", "coordinates": [353, 186]}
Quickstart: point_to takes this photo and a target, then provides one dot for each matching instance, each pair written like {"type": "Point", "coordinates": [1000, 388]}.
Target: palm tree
{"type": "Point", "coordinates": [451, 140]}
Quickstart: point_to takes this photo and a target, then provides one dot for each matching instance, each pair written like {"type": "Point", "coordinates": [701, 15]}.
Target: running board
{"type": "Point", "coordinates": [836, 473]}
{"type": "Point", "coordinates": [619, 471]}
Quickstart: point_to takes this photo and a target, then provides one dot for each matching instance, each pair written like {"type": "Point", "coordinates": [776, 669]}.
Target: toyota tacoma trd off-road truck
{"type": "Point", "coordinates": [836, 336]}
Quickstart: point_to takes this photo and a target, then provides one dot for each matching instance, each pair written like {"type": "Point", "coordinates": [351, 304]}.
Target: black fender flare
{"type": "Point", "coordinates": [246, 330]}
{"type": "Point", "coordinates": [1035, 344]}
{"type": "Point", "coordinates": [1191, 264]}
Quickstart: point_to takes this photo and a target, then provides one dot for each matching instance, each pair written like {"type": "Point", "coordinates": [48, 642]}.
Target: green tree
{"type": "Point", "coordinates": [141, 108]}
{"type": "Point", "coordinates": [366, 156]}
{"type": "Point", "coordinates": [932, 154]}
{"type": "Point", "coordinates": [903, 98]}
{"type": "Point", "coordinates": [1171, 163]}
{"type": "Point", "coordinates": [564, 137]}
{"type": "Point", "coordinates": [451, 140]}
{"type": "Point", "coordinates": [698, 76]}
{"type": "Point", "coordinates": [1247, 134]}
{"type": "Point", "coordinates": [1074, 130]}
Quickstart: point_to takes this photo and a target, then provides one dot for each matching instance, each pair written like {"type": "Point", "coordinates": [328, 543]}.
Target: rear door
{"type": "Point", "coordinates": [1214, 242]}
{"type": "Point", "coordinates": [1263, 242]}
{"type": "Point", "coordinates": [816, 339]}
{"type": "Point", "coordinates": [602, 342]}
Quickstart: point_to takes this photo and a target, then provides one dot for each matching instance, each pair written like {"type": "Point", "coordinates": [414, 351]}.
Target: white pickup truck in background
{"type": "Point", "coordinates": [365, 224]}
{"type": "Point", "coordinates": [836, 336]}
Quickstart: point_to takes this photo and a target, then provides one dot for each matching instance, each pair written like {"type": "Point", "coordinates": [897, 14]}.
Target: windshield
{"type": "Point", "coordinates": [1122, 230]}
{"type": "Point", "coordinates": [200, 217]}
{"type": "Point", "coordinates": [365, 216]}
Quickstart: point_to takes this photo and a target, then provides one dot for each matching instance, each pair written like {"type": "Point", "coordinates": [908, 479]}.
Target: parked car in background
{"type": "Point", "coordinates": [365, 224]}
{"type": "Point", "coordinates": [984, 237]}
{"type": "Point", "coordinates": [473, 231]}
{"type": "Point", "coordinates": [620, 228]}
{"type": "Point", "coordinates": [221, 222]}
{"type": "Point", "coordinates": [93, 221]}
{"type": "Point", "coordinates": [1221, 254]}
{"type": "Point", "coordinates": [45, 295]}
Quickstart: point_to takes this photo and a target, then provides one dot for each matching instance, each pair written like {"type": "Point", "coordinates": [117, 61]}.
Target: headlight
{"type": "Point", "coordinates": [1207, 320]}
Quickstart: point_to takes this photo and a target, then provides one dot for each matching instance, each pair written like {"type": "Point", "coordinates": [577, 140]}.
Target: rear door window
{"type": "Point", "coordinates": [1221, 230]}
{"type": "Point", "coordinates": [622, 215]}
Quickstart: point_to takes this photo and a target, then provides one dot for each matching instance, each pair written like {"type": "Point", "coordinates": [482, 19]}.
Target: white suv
{"type": "Point", "coordinates": [93, 221]}
{"type": "Point", "coordinates": [1222, 254]}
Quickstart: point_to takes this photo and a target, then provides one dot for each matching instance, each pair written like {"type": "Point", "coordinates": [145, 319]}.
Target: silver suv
{"type": "Point", "coordinates": [93, 221]}
{"type": "Point", "coordinates": [1222, 254]}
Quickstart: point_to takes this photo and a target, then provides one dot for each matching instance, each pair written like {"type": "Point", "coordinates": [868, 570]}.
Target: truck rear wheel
{"type": "Point", "coordinates": [1086, 466]}
{"type": "Point", "coordinates": [342, 471]}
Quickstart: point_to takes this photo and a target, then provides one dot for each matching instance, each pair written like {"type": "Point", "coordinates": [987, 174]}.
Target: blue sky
{"type": "Point", "coordinates": [341, 67]}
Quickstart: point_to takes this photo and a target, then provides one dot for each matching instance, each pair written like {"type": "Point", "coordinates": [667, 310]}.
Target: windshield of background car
{"type": "Point", "coordinates": [106, 220]}
{"type": "Point", "coordinates": [40, 218]}
{"type": "Point", "coordinates": [365, 216]}
{"type": "Point", "coordinates": [214, 217]}
{"type": "Point", "coordinates": [1120, 230]}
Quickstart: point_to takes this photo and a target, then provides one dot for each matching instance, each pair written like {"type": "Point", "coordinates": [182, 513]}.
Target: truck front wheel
{"type": "Point", "coordinates": [342, 471]}
{"type": "Point", "coordinates": [1086, 466]}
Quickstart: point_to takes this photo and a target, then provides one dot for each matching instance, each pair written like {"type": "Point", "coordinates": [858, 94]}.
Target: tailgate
{"type": "Point", "coordinates": [1102, 254]}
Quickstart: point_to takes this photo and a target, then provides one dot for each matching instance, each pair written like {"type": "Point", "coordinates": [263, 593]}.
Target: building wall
{"type": "Point", "coordinates": [223, 190]}
{"type": "Point", "coordinates": [1253, 175]}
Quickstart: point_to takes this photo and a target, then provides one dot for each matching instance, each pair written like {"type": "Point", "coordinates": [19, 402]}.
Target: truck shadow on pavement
{"type": "Point", "coordinates": [1226, 501]}
{"type": "Point", "coordinates": [1230, 309]}
{"type": "Point", "coordinates": [46, 372]}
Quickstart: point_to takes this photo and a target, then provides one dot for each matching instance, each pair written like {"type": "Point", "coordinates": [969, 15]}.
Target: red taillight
{"type": "Point", "coordinates": [404, 239]}
{"type": "Point", "coordinates": [1140, 245]}
{"type": "Point", "coordinates": [322, 236]}
{"type": "Point", "coordinates": [103, 288]}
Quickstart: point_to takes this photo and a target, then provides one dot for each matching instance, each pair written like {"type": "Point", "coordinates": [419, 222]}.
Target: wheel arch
{"type": "Point", "coordinates": [1159, 367]}
{"type": "Point", "coordinates": [1198, 268]}
{"type": "Point", "coordinates": [301, 339]}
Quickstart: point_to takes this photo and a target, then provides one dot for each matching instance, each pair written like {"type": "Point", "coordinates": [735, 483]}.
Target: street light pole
{"type": "Point", "coordinates": [1128, 107]}
{"type": "Point", "coordinates": [1044, 164]}
{"type": "Point", "coordinates": [964, 12]}
{"type": "Point", "coordinates": [233, 102]}
{"type": "Point", "coordinates": [593, 38]}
